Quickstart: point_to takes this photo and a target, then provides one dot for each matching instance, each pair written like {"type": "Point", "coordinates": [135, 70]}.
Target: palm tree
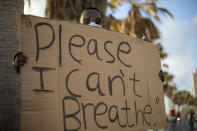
{"type": "Point", "coordinates": [71, 9]}
{"type": "Point", "coordinates": [168, 86]}
{"type": "Point", "coordinates": [178, 99]}
{"type": "Point", "coordinates": [184, 98]}
{"type": "Point", "coordinates": [136, 24]}
{"type": "Point", "coordinates": [163, 55]}
{"type": "Point", "coordinates": [10, 93]}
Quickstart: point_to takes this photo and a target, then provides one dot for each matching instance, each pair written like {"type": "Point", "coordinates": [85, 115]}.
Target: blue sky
{"type": "Point", "coordinates": [178, 36]}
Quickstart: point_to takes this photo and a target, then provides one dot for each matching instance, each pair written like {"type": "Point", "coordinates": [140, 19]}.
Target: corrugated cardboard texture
{"type": "Point", "coordinates": [85, 78]}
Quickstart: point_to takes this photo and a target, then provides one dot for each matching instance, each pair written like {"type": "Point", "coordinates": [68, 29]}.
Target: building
{"type": "Point", "coordinates": [193, 90]}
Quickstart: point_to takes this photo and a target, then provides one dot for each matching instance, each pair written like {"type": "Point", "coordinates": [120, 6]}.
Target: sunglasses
{"type": "Point", "coordinates": [96, 20]}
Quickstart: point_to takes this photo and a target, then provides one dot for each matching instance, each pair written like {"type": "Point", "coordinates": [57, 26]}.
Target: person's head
{"type": "Point", "coordinates": [91, 16]}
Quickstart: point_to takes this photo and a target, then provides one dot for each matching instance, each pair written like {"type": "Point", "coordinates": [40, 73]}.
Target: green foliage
{"type": "Point", "coordinates": [163, 54]}
{"type": "Point", "coordinates": [184, 98]}
{"type": "Point", "coordinates": [137, 25]}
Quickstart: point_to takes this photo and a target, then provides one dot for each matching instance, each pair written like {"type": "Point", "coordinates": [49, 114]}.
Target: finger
{"type": "Point", "coordinates": [20, 64]}
{"type": "Point", "coordinates": [17, 68]}
{"type": "Point", "coordinates": [19, 54]}
{"type": "Point", "coordinates": [160, 75]}
{"type": "Point", "coordinates": [16, 56]}
{"type": "Point", "coordinates": [163, 79]}
{"type": "Point", "coordinates": [22, 59]}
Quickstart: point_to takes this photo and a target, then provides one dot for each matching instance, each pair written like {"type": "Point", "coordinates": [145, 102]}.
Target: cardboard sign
{"type": "Point", "coordinates": [86, 78]}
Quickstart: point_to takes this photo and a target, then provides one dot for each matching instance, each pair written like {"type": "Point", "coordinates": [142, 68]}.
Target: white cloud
{"type": "Point", "coordinates": [178, 39]}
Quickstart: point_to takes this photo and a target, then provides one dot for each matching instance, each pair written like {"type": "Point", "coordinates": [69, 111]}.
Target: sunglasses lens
{"type": "Point", "coordinates": [86, 21]}
{"type": "Point", "coordinates": [98, 21]}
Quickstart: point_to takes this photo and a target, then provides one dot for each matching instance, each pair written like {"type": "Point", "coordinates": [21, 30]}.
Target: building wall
{"type": "Point", "coordinates": [191, 90]}
{"type": "Point", "coordinates": [194, 90]}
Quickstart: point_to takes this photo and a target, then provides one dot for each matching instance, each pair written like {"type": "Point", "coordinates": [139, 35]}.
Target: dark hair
{"type": "Point", "coordinates": [92, 8]}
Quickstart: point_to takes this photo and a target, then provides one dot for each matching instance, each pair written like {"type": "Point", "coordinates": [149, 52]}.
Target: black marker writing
{"type": "Point", "coordinates": [84, 112]}
{"type": "Point", "coordinates": [67, 80]}
{"type": "Point", "coordinates": [123, 51]}
{"type": "Point", "coordinates": [134, 82]}
{"type": "Point", "coordinates": [60, 45]}
{"type": "Point", "coordinates": [98, 114]}
{"type": "Point", "coordinates": [71, 44]}
{"type": "Point", "coordinates": [146, 111]}
{"type": "Point", "coordinates": [95, 51]}
{"type": "Point", "coordinates": [110, 84]}
{"type": "Point", "coordinates": [116, 118]}
{"type": "Point", "coordinates": [37, 38]}
{"type": "Point", "coordinates": [105, 47]}
{"type": "Point", "coordinates": [41, 70]}
{"type": "Point", "coordinates": [126, 108]}
{"type": "Point", "coordinates": [71, 115]}
{"type": "Point", "coordinates": [97, 85]}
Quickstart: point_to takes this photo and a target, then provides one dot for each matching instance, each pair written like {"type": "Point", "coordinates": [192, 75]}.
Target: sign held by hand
{"type": "Point", "coordinates": [85, 78]}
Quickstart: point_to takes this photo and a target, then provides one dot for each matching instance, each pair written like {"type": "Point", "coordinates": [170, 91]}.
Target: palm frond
{"type": "Point", "coordinates": [166, 65]}
{"type": "Point", "coordinates": [150, 26]}
{"type": "Point", "coordinates": [163, 55]}
{"type": "Point", "coordinates": [152, 12]}
{"type": "Point", "coordinates": [113, 4]}
{"type": "Point", "coordinates": [165, 11]}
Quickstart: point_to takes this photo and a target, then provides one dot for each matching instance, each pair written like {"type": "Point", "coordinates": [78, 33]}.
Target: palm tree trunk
{"type": "Point", "coordinates": [10, 93]}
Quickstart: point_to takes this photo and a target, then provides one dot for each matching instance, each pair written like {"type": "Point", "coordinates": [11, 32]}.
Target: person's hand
{"type": "Point", "coordinates": [19, 60]}
{"type": "Point", "coordinates": [161, 76]}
